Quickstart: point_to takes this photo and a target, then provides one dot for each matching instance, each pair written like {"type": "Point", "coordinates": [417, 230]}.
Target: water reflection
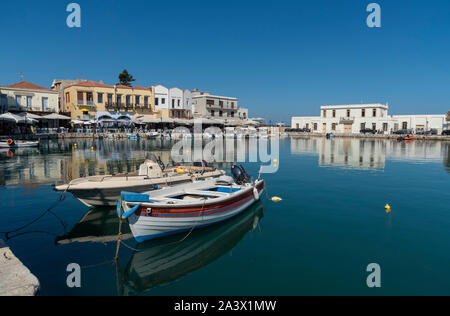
{"type": "Point", "coordinates": [369, 154]}
{"type": "Point", "coordinates": [164, 261]}
{"type": "Point", "coordinates": [98, 226]}
{"type": "Point", "coordinates": [62, 161]}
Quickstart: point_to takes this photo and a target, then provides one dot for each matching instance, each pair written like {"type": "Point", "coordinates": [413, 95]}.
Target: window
{"type": "Point", "coordinates": [110, 99]}
{"type": "Point", "coordinates": [374, 113]}
{"type": "Point", "coordinates": [315, 126]}
{"type": "Point", "coordinates": [212, 113]}
{"type": "Point", "coordinates": [3, 102]}
{"type": "Point", "coordinates": [374, 126]}
{"type": "Point", "coordinates": [67, 97]}
{"type": "Point", "coordinates": [173, 104]}
{"type": "Point", "coordinates": [333, 126]}
{"type": "Point", "coordinates": [90, 98]}
{"type": "Point", "coordinates": [179, 103]}
{"type": "Point", "coordinates": [232, 114]}
{"type": "Point", "coordinates": [210, 102]}
{"type": "Point", "coordinates": [348, 113]}
{"type": "Point", "coordinates": [220, 113]}
{"type": "Point", "coordinates": [385, 127]}
{"type": "Point", "coordinates": [45, 104]}
{"type": "Point", "coordinates": [29, 102]}
{"type": "Point", "coordinates": [307, 126]}
{"type": "Point", "coordinates": [232, 105]}
{"type": "Point", "coordinates": [363, 126]}
{"type": "Point", "coordinates": [80, 96]}
{"type": "Point", "coordinates": [156, 101]}
{"type": "Point", "coordinates": [145, 101]}
{"type": "Point", "coordinates": [405, 125]}
{"type": "Point", "coordinates": [334, 113]}
{"type": "Point", "coordinates": [163, 101]}
{"type": "Point", "coordinates": [324, 113]}
{"type": "Point", "coordinates": [119, 99]}
{"type": "Point", "coordinates": [137, 100]}
{"type": "Point", "coordinates": [128, 100]}
{"type": "Point", "coordinates": [363, 113]}
{"type": "Point", "coordinates": [221, 104]}
{"type": "Point", "coordinates": [18, 100]}
{"type": "Point", "coordinates": [100, 98]}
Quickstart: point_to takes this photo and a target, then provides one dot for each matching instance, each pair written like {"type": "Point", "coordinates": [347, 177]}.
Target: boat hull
{"type": "Point", "coordinates": [19, 145]}
{"type": "Point", "coordinates": [165, 222]}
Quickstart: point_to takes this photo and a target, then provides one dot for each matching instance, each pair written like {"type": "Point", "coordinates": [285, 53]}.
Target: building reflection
{"type": "Point", "coordinates": [62, 161]}
{"type": "Point", "coordinates": [367, 153]}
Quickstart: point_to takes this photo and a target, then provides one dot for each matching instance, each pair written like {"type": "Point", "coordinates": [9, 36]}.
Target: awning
{"type": "Point", "coordinates": [55, 116]}
{"type": "Point", "coordinates": [16, 118]}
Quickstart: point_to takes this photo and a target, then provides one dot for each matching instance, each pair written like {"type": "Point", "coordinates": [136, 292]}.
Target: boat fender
{"type": "Point", "coordinates": [256, 193]}
{"type": "Point", "coordinates": [10, 142]}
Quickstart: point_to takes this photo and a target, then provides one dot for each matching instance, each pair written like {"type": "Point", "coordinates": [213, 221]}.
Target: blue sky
{"type": "Point", "coordinates": [281, 58]}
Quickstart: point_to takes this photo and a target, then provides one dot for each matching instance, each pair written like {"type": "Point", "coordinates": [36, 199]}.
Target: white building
{"type": "Point", "coordinates": [25, 96]}
{"type": "Point", "coordinates": [214, 106]}
{"type": "Point", "coordinates": [161, 97]}
{"type": "Point", "coordinates": [351, 119]}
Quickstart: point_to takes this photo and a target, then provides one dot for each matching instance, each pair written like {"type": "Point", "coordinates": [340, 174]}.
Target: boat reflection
{"type": "Point", "coordinates": [97, 225]}
{"type": "Point", "coordinates": [161, 262]}
{"type": "Point", "coordinates": [367, 154]}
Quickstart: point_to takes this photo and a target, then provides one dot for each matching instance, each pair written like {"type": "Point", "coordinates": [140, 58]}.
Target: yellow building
{"type": "Point", "coordinates": [92, 100]}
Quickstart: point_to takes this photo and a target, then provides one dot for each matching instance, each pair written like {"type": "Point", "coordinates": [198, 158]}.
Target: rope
{"type": "Point", "coordinates": [49, 210]}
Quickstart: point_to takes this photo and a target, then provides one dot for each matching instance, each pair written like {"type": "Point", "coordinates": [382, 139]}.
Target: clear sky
{"type": "Point", "coordinates": [280, 58]}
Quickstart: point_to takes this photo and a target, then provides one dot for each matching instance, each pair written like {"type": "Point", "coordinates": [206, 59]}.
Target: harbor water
{"type": "Point", "coordinates": [319, 240]}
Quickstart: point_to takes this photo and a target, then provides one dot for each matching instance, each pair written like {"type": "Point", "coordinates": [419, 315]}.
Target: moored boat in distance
{"type": "Point", "coordinates": [10, 143]}
{"type": "Point", "coordinates": [186, 207]}
{"type": "Point", "coordinates": [102, 191]}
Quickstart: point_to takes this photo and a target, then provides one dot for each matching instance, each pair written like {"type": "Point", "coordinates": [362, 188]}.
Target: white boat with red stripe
{"type": "Point", "coordinates": [185, 207]}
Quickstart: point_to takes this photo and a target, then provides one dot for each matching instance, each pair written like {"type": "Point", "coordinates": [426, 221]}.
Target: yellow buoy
{"type": "Point", "coordinates": [276, 199]}
{"type": "Point", "coordinates": [275, 162]}
{"type": "Point", "coordinates": [387, 208]}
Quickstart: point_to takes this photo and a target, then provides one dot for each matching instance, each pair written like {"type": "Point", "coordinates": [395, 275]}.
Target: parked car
{"type": "Point", "coordinates": [432, 132]}
{"type": "Point", "coordinates": [298, 130]}
{"type": "Point", "coordinates": [403, 132]}
{"type": "Point", "coordinates": [368, 131]}
{"type": "Point", "coordinates": [446, 133]}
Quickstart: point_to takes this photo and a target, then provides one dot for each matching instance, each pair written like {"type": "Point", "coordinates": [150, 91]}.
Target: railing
{"type": "Point", "coordinates": [85, 103]}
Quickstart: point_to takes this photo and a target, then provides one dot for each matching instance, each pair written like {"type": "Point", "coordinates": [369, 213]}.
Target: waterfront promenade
{"type": "Point", "coordinates": [15, 278]}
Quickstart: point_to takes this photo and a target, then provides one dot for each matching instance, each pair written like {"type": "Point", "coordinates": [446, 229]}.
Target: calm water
{"type": "Point", "coordinates": [319, 240]}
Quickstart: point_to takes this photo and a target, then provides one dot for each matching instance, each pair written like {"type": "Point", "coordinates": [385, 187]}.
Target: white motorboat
{"type": "Point", "coordinates": [105, 190]}
{"type": "Point", "coordinates": [18, 144]}
{"type": "Point", "coordinates": [185, 207]}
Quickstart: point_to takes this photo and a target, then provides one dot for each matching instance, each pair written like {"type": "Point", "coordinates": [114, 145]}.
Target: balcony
{"type": "Point", "coordinates": [85, 103]}
{"type": "Point", "coordinates": [347, 120]}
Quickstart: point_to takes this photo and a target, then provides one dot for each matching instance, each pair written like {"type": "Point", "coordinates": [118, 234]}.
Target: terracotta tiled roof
{"type": "Point", "coordinates": [92, 84]}
{"type": "Point", "coordinates": [120, 86]}
{"type": "Point", "coordinates": [27, 86]}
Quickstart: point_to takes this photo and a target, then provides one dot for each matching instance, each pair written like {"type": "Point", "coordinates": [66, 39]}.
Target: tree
{"type": "Point", "coordinates": [126, 79]}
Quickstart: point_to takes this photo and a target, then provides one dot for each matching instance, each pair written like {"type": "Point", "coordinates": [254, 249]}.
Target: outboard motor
{"type": "Point", "coordinates": [240, 175]}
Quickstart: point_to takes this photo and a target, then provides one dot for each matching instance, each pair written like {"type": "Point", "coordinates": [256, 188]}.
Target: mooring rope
{"type": "Point", "coordinates": [49, 210]}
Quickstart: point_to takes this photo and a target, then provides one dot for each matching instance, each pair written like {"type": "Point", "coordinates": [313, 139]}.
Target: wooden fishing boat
{"type": "Point", "coordinates": [18, 144]}
{"type": "Point", "coordinates": [102, 191]}
{"type": "Point", "coordinates": [186, 207]}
